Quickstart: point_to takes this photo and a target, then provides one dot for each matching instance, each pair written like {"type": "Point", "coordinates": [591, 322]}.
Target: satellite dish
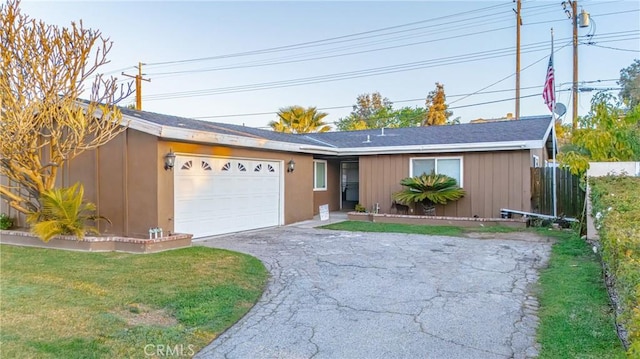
{"type": "Point", "coordinates": [560, 109]}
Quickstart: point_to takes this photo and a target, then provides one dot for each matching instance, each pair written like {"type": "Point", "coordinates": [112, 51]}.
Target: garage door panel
{"type": "Point", "coordinates": [222, 195]}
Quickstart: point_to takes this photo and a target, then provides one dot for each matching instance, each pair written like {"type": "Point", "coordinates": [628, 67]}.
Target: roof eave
{"type": "Point", "coordinates": [184, 134]}
{"type": "Point", "coordinates": [439, 148]}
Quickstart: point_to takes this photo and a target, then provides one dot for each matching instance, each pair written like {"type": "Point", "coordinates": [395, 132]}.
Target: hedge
{"type": "Point", "coordinates": [616, 209]}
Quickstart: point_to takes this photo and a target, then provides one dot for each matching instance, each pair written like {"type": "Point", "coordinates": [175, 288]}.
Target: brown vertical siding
{"type": "Point", "coordinates": [111, 185]}
{"type": "Point", "coordinates": [492, 180]}
{"type": "Point", "coordinates": [332, 195]}
{"type": "Point", "coordinates": [82, 170]}
{"type": "Point", "coordinates": [141, 183]}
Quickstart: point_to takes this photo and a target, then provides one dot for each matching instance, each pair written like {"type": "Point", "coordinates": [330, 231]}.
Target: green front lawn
{"type": "Point", "coordinates": [362, 226]}
{"type": "Point", "coordinates": [576, 317]}
{"type": "Point", "coordinates": [61, 304]}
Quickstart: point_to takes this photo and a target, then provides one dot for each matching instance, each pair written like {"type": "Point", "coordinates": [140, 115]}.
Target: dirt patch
{"type": "Point", "coordinates": [137, 314]}
{"type": "Point", "coordinates": [514, 236]}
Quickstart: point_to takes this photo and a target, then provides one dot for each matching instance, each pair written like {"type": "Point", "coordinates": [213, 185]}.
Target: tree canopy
{"type": "Point", "coordinates": [607, 133]}
{"type": "Point", "coordinates": [437, 113]}
{"type": "Point", "coordinates": [43, 73]}
{"type": "Point", "coordinates": [370, 111]}
{"type": "Point", "coordinates": [630, 82]}
{"type": "Point", "coordinates": [374, 111]}
{"type": "Point", "coordinates": [297, 119]}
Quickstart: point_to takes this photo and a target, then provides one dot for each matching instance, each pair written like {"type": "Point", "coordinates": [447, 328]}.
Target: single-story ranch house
{"type": "Point", "coordinates": [230, 178]}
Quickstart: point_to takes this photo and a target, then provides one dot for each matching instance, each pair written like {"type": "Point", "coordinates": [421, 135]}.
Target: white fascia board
{"type": "Point", "coordinates": [142, 125]}
{"type": "Point", "coordinates": [458, 147]}
{"type": "Point", "coordinates": [228, 140]}
{"type": "Point", "coordinates": [184, 134]}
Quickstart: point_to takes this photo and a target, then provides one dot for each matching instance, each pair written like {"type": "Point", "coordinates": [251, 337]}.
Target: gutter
{"type": "Point", "coordinates": [186, 134]}
{"type": "Point", "coordinates": [463, 147]}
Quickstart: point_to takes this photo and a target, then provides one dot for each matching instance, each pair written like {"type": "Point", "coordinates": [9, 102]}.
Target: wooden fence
{"type": "Point", "coordinates": [569, 193]}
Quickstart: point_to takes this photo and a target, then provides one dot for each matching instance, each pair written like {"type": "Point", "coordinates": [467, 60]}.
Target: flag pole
{"type": "Point", "coordinates": [553, 139]}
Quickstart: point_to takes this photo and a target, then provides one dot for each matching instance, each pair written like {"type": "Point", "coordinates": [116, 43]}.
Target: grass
{"type": "Point", "coordinates": [576, 317]}
{"type": "Point", "coordinates": [61, 304]}
{"type": "Point", "coordinates": [362, 226]}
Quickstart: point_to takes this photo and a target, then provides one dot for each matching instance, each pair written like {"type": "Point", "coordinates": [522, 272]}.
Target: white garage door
{"type": "Point", "coordinates": [224, 195]}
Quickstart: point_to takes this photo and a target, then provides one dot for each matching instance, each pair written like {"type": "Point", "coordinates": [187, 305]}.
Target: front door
{"type": "Point", "coordinates": [349, 185]}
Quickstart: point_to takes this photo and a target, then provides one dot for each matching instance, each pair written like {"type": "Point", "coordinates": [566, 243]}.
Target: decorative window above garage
{"type": "Point", "coordinates": [187, 165]}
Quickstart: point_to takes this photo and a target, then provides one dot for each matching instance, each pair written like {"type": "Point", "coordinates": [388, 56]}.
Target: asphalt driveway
{"type": "Point", "coordinates": [339, 294]}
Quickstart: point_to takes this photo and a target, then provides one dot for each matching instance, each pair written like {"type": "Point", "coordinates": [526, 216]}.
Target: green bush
{"type": "Point", "coordinates": [360, 208]}
{"type": "Point", "coordinates": [5, 221]}
{"type": "Point", "coordinates": [616, 209]}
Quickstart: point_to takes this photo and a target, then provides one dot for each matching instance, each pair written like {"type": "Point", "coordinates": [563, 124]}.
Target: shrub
{"type": "Point", "coordinates": [429, 190]}
{"type": "Point", "coordinates": [63, 212]}
{"type": "Point", "coordinates": [616, 208]}
{"type": "Point", "coordinates": [5, 221]}
{"type": "Point", "coordinates": [360, 208]}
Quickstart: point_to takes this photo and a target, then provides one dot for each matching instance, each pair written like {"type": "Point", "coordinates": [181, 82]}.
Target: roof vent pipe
{"type": "Point", "coordinates": [368, 139]}
{"type": "Point", "coordinates": [382, 133]}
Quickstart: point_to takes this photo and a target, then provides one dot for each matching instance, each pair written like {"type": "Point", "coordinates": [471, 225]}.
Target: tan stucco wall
{"type": "Point", "coordinates": [298, 185]}
{"type": "Point", "coordinates": [332, 195]}
{"type": "Point", "coordinates": [126, 180]}
{"type": "Point", "coordinates": [492, 180]}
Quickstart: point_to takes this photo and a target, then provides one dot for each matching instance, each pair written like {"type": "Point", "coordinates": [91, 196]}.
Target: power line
{"type": "Point", "coordinates": [402, 101]}
{"type": "Point", "coordinates": [450, 60]}
{"type": "Point", "coordinates": [323, 41]}
{"type": "Point", "coordinates": [267, 63]}
{"type": "Point", "coordinates": [274, 61]}
{"type": "Point", "coordinates": [609, 47]}
{"type": "Point", "coordinates": [277, 61]}
{"type": "Point", "coordinates": [507, 77]}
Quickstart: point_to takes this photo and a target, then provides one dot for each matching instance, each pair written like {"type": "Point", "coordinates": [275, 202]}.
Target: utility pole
{"type": "Point", "coordinates": [573, 15]}
{"type": "Point", "coordinates": [518, 25]}
{"type": "Point", "coordinates": [139, 79]}
{"type": "Point", "coordinates": [574, 12]}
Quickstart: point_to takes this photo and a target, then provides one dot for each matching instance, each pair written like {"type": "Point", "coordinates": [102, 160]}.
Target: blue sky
{"type": "Point", "coordinates": [467, 46]}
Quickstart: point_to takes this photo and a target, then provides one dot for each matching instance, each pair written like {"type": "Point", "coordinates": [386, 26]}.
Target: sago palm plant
{"type": "Point", "coordinates": [63, 212]}
{"type": "Point", "coordinates": [429, 190]}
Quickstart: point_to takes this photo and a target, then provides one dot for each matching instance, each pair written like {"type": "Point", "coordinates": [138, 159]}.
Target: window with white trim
{"type": "Point", "coordinates": [450, 166]}
{"type": "Point", "coordinates": [319, 175]}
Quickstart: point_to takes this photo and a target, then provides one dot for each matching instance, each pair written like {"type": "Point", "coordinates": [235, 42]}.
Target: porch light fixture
{"type": "Point", "coordinates": [291, 166]}
{"type": "Point", "coordinates": [169, 161]}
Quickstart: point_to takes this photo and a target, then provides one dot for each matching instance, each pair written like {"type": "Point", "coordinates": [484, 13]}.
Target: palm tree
{"type": "Point", "coordinates": [63, 212]}
{"type": "Point", "coordinates": [429, 190]}
{"type": "Point", "coordinates": [297, 119]}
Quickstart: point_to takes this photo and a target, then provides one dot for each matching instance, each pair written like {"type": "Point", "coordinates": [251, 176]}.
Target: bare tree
{"type": "Point", "coordinates": [43, 123]}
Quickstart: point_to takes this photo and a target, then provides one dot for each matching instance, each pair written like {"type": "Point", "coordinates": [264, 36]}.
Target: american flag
{"type": "Point", "coordinates": [549, 93]}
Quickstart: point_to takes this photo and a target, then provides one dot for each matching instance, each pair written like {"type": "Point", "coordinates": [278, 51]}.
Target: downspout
{"type": "Point", "coordinates": [125, 184]}
{"type": "Point", "coordinates": [97, 186]}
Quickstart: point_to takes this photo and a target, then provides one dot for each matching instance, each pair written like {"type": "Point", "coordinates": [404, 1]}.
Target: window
{"type": "Point", "coordinates": [450, 166]}
{"type": "Point", "coordinates": [319, 175]}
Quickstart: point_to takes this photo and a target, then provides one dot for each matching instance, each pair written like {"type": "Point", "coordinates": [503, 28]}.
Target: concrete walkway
{"type": "Point", "coordinates": [339, 294]}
